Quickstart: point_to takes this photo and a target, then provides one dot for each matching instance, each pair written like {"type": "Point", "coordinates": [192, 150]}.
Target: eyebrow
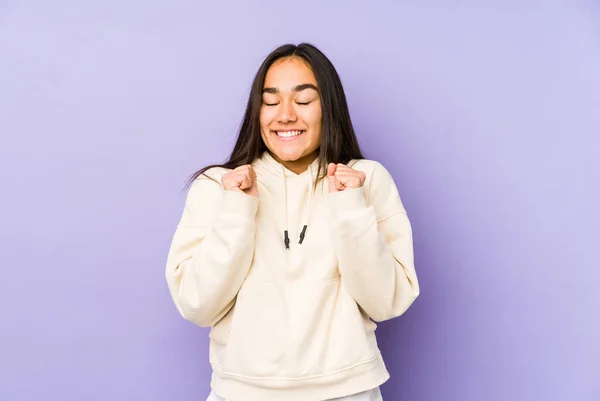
{"type": "Point", "coordinates": [297, 88]}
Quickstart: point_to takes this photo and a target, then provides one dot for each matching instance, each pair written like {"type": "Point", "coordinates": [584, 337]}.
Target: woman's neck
{"type": "Point", "coordinates": [300, 165]}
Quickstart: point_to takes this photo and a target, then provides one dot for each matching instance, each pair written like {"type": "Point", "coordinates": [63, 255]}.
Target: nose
{"type": "Point", "coordinates": [287, 113]}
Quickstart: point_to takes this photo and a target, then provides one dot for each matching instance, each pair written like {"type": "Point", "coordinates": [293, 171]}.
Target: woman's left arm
{"type": "Point", "coordinates": [373, 241]}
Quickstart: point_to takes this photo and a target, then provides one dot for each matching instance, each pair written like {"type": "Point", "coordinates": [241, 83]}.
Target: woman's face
{"type": "Point", "coordinates": [290, 114]}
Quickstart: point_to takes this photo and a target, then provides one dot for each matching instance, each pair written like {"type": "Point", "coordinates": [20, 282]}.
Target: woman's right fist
{"type": "Point", "coordinates": [242, 179]}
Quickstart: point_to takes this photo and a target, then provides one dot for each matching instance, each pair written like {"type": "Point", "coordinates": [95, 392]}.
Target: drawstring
{"type": "Point", "coordinates": [310, 184]}
{"type": "Point", "coordinates": [286, 237]}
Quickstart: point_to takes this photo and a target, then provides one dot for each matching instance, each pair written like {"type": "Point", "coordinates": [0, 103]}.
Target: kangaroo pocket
{"type": "Point", "coordinates": [295, 330]}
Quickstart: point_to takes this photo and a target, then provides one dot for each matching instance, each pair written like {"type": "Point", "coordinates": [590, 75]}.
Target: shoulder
{"type": "Point", "coordinates": [214, 174]}
{"type": "Point", "coordinates": [207, 187]}
{"type": "Point", "coordinates": [211, 178]}
{"type": "Point", "coordinates": [376, 173]}
{"type": "Point", "coordinates": [380, 188]}
{"type": "Point", "coordinates": [365, 165]}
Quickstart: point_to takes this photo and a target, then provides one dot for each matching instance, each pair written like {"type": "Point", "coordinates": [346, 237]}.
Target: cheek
{"type": "Point", "coordinates": [265, 117]}
{"type": "Point", "coordinates": [316, 122]}
{"type": "Point", "coordinates": [313, 117]}
{"type": "Point", "coordinates": [262, 118]}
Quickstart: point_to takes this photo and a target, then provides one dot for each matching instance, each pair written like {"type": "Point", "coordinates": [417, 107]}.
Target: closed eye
{"type": "Point", "coordinates": [298, 103]}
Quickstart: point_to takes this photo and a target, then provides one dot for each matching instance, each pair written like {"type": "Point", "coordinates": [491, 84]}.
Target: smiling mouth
{"type": "Point", "coordinates": [288, 134]}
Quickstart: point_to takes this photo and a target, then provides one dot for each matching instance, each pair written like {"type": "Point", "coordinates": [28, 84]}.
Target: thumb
{"type": "Point", "coordinates": [331, 168]}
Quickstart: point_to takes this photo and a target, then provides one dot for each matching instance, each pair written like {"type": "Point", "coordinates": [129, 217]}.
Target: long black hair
{"type": "Point", "coordinates": [338, 139]}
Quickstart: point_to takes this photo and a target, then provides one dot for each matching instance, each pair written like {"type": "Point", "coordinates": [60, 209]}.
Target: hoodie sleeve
{"type": "Point", "coordinates": [211, 251]}
{"type": "Point", "coordinates": [373, 240]}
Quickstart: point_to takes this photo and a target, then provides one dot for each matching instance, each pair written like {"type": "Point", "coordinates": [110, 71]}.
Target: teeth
{"type": "Point", "coordinates": [287, 134]}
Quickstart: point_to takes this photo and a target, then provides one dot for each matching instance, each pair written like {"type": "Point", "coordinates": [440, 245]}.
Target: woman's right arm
{"type": "Point", "coordinates": [211, 251]}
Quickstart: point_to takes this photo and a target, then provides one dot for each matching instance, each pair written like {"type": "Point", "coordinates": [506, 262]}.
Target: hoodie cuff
{"type": "Point", "coordinates": [348, 199]}
{"type": "Point", "coordinates": [239, 203]}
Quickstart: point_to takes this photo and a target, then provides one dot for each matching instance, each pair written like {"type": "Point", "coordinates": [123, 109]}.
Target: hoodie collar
{"type": "Point", "coordinates": [273, 166]}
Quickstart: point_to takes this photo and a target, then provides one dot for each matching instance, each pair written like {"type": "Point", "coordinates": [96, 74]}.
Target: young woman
{"type": "Point", "coordinates": [292, 249]}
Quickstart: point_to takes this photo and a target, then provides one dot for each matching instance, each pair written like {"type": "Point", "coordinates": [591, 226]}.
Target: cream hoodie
{"type": "Point", "coordinates": [293, 324]}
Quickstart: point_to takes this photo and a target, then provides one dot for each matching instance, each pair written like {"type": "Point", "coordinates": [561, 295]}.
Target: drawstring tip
{"type": "Point", "coordinates": [302, 234]}
{"type": "Point", "coordinates": [286, 239]}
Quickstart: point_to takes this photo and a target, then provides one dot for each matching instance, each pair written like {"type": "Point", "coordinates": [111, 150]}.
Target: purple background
{"type": "Point", "coordinates": [487, 114]}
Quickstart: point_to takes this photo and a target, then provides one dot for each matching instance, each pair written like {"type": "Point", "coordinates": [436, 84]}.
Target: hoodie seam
{"type": "Point", "coordinates": [312, 377]}
{"type": "Point", "coordinates": [329, 280]}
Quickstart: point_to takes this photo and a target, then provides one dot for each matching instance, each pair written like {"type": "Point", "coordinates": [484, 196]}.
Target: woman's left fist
{"type": "Point", "coordinates": [342, 177]}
